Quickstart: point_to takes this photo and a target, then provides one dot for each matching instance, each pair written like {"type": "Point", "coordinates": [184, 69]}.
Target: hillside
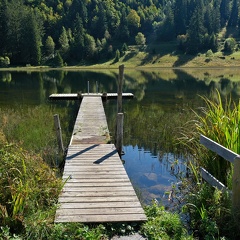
{"type": "Point", "coordinates": [76, 32]}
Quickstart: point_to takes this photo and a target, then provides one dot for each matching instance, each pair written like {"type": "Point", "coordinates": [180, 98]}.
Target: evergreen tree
{"type": "Point", "coordinates": [49, 46]}
{"type": "Point", "coordinates": [58, 61]}
{"type": "Point", "coordinates": [79, 33]}
{"type": "Point", "coordinates": [90, 46]}
{"type": "Point", "coordinates": [63, 41]}
{"type": "Point", "coordinates": [3, 26]}
{"type": "Point", "coordinates": [233, 20]}
{"type": "Point", "coordinates": [224, 12]}
{"type": "Point", "coordinates": [31, 40]}
{"type": "Point", "coordinates": [14, 13]}
{"type": "Point", "coordinates": [180, 15]}
{"type": "Point", "coordinates": [196, 31]}
{"type": "Point", "coordinates": [167, 30]}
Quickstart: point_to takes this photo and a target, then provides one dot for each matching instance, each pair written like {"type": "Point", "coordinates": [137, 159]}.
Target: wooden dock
{"type": "Point", "coordinates": [76, 96]}
{"type": "Point", "coordinates": [97, 188]}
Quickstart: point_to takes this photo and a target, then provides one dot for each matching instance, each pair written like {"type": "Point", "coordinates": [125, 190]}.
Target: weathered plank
{"type": "Point", "coordinates": [101, 218]}
{"type": "Point", "coordinates": [217, 148]}
{"type": "Point", "coordinates": [212, 180]}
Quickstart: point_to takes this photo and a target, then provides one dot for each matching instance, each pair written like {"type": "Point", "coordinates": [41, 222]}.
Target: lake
{"type": "Point", "coordinates": [162, 104]}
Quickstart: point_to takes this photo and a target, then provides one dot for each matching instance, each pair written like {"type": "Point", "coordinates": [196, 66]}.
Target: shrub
{"type": "Point", "coordinates": [162, 224]}
{"type": "Point", "coordinates": [26, 184]}
{"type": "Point", "coordinates": [4, 61]}
{"type": "Point", "coordinates": [229, 45]}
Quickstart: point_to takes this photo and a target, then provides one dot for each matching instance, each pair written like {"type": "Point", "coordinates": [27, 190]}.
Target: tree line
{"type": "Point", "coordinates": [58, 32]}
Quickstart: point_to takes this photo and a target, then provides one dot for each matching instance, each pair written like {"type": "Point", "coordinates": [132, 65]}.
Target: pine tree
{"type": "Point", "coordinates": [224, 12]}
{"type": "Point", "coordinates": [31, 40]}
{"type": "Point", "coordinates": [196, 31]}
{"type": "Point", "coordinates": [233, 20]}
{"type": "Point", "coordinates": [63, 41]}
{"type": "Point", "coordinates": [49, 46]}
{"type": "Point", "coordinates": [180, 15]}
{"type": "Point", "coordinates": [79, 33]}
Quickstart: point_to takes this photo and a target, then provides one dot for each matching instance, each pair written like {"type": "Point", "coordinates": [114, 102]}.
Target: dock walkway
{"type": "Point", "coordinates": [97, 188]}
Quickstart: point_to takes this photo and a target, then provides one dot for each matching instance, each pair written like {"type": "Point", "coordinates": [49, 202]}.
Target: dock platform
{"type": "Point", "coordinates": [76, 96]}
{"type": "Point", "coordinates": [97, 187]}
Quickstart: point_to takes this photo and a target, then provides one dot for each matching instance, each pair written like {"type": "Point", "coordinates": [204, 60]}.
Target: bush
{"type": "Point", "coordinates": [27, 183]}
{"type": "Point", "coordinates": [209, 53]}
{"type": "Point", "coordinates": [229, 45]}
{"type": "Point", "coordinates": [4, 61]}
{"type": "Point", "coordinates": [162, 224]}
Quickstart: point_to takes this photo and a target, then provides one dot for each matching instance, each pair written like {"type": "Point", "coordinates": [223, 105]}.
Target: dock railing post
{"type": "Point", "coordinates": [236, 187]}
{"type": "Point", "coordinates": [59, 133]}
{"type": "Point", "coordinates": [119, 140]}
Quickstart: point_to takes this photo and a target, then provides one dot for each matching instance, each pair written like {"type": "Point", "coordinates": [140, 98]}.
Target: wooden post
{"type": "Point", "coordinates": [236, 186]}
{"type": "Point", "coordinates": [120, 84]}
{"type": "Point", "coordinates": [88, 87]}
{"type": "Point", "coordinates": [119, 140]}
{"type": "Point", "coordinates": [59, 133]}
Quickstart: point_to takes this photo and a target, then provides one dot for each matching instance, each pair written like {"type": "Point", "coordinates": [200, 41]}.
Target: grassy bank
{"type": "Point", "coordinates": [162, 55]}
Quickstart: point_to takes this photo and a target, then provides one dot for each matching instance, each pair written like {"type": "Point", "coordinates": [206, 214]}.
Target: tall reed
{"type": "Point", "coordinates": [219, 120]}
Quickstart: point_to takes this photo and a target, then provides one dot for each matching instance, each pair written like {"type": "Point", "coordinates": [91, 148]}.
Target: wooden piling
{"type": "Point", "coordinates": [119, 140]}
{"type": "Point", "coordinates": [120, 86]}
{"type": "Point", "coordinates": [59, 133]}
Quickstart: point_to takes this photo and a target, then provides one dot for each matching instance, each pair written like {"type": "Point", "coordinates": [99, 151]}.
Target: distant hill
{"type": "Point", "coordinates": [80, 32]}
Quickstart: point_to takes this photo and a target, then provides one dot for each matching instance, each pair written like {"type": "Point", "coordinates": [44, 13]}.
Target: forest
{"type": "Point", "coordinates": [75, 32]}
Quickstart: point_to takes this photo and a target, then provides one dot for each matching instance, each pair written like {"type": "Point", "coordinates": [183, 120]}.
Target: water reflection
{"type": "Point", "coordinates": [154, 175]}
{"type": "Point", "coordinates": [163, 99]}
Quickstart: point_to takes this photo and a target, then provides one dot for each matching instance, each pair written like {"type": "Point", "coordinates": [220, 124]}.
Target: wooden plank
{"type": "Point", "coordinates": [100, 205]}
{"type": "Point", "coordinates": [217, 148]}
{"type": "Point", "coordinates": [101, 218]}
{"type": "Point", "coordinates": [96, 176]}
{"type": "Point", "coordinates": [102, 180]}
{"type": "Point", "coordinates": [103, 211]}
{"type": "Point", "coordinates": [212, 180]}
{"type": "Point", "coordinates": [98, 188]}
{"type": "Point", "coordinates": [106, 193]}
{"type": "Point", "coordinates": [98, 199]}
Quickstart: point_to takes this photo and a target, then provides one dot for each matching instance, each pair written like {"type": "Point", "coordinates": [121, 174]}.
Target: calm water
{"type": "Point", "coordinates": [160, 96]}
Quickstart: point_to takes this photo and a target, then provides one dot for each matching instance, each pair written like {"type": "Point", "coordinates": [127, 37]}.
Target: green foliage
{"type": "Point", "coordinates": [229, 45]}
{"type": "Point", "coordinates": [218, 121]}
{"type": "Point", "coordinates": [26, 183]}
{"type": "Point", "coordinates": [57, 61]}
{"type": "Point", "coordinates": [162, 224]}
{"type": "Point", "coordinates": [117, 56]}
{"type": "Point", "coordinates": [210, 209]}
{"type": "Point", "coordinates": [25, 26]}
{"type": "Point", "coordinates": [140, 39]}
{"type": "Point", "coordinates": [38, 123]}
{"type": "Point", "coordinates": [4, 61]}
{"type": "Point", "coordinates": [210, 212]}
{"type": "Point", "coordinates": [209, 53]}
{"type": "Point", "coordinates": [49, 46]}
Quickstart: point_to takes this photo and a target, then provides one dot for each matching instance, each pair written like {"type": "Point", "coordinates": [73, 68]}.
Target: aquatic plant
{"type": "Point", "coordinates": [219, 120]}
